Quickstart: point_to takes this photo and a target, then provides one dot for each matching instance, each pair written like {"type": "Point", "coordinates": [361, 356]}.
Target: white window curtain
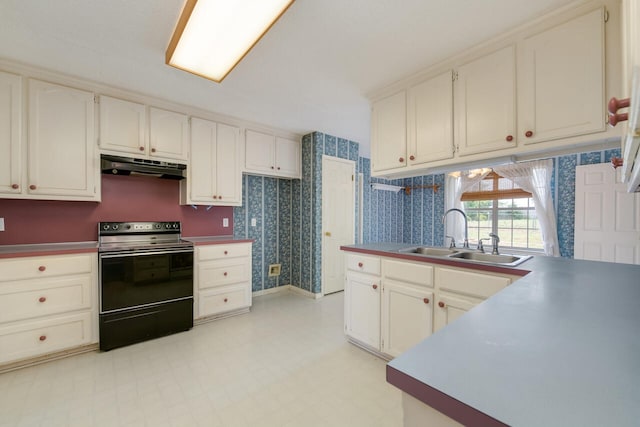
{"type": "Point", "coordinates": [535, 177]}
{"type": "Point", "coordinates": [455, 184]}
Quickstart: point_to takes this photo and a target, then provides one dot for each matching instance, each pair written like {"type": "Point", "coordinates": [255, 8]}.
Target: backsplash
{"type": "Point", "coordinates": [124, 198]}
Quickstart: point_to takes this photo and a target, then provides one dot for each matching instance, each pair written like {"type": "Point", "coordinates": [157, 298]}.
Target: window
{"type": "Point", "coordinates": [497, 205]}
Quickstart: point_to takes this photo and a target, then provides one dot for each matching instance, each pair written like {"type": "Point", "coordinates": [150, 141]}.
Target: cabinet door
{"type": "Point", "coordinates": [362, 309]}
{"type": "Point", "coordinates": [168, 135]}
{"type": "Point", "coordinates": [485, 103]}
{"type": "Point", "coordinates": [61, 149]}
{"type": "Point", "coordinates": [430, 120]}
{"type": "Point", "coordinates": [287, 158]}
{"type": "Point", "coordinates": [259, 152]}
{"type": "Point", "coordinates": [448, 308]}
{"type": "Point", "coordinates": [389, 133]}
{"type": "Point", "coordinates": [228, 171]}
{"type": "Point", "coordinates": [407, 317]}
{"type": "Point", "coordinates": [202, 171]}
{"type": "Point", "coordinates": [10, 133]}
{"type": "Point", "coordinates": [561, 81]}
{"type": "Point", "coordinates": [123, 126]}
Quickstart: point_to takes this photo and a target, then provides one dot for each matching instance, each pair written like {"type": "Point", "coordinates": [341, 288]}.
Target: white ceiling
{"type": "Point", "coordinates": [312, 71]}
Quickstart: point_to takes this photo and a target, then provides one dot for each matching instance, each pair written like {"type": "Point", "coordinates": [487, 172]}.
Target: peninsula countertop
{"type": "Point", "coordinates": [559, 347]}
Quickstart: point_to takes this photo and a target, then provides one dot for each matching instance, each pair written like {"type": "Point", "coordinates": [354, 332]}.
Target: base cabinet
{"type": "Point", "coordinates": [47, 304]}
{"type": "Point", "coordinates": [362, 308]}
{"type": "Point", "coordinates": [222, 279]}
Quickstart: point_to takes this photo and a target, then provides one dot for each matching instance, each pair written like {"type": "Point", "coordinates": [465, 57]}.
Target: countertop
{"type": "Point", "coordinates": [559, 347]}
{"type": "Point", "coordinates": [215, 240]}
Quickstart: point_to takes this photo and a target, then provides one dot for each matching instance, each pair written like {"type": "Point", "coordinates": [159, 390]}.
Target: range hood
{"type": "Point", "coordinates": [115, 165]}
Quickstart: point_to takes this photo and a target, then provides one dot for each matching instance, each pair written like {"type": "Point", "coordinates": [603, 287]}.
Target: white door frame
{"type": "Point", "coordinates": [351, 163]}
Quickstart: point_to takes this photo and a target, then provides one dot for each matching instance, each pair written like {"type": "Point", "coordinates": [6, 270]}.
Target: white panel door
{"type": "Point", "coordinates": [338, 219]}
{"type": "Point", "coordinates": [62, 146]}
{"type": "Point", "coordinates": [485, 103]}
{"type": "Point", "coordinates": [561, 81]}
{"type": "Point", "coordinates": [10, 133]}
{"type": "Point", "coordinates": [168, 135]}
{"type": "Point", "coordinates": [430, 120]}
{"type": "Point", "coordinates": [288, 157]}
{"type": "Point", "coordinates": [123, 126]}
{"type": "Point", "coordinates": [259, 152]}
{"type": "Point", "coordinates": [389, 133]}
{"type": "Point", "coordinates": [362, 309]}
{"type": "Point", "coordinates": [227, 166]}
{"type": "Point", "coordinates": [607, 218]}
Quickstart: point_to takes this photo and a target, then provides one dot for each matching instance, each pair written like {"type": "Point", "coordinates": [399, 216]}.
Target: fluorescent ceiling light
{"type": "Point", "coordinates": [212, 36]}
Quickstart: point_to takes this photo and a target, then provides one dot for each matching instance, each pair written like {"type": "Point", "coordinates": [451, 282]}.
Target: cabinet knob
{"type": "Point", "coordinates": [614, 119]}
{"type": "Point", "coordinates": [616, 104]}
{"type": "Point", "coordinates": [412, 157]}
{"type": "Point", "coordinates": [375, 286]}
{"type": "Point", "coordinates": [153, 150]}
{"type": "Point", "coordinates": [272, 167]}
{"type": "Point", "coordinates": [42, 299]}
{"type": "Point", "coordinates": [225, 273]}
{"type": "Point", "coordinates": [226, 253]}
{"type": "Point", "coordinates": [441, 304]}
{"type": "Point", "coordinates": [141, 148]}
{"type": "Point", "coordinates": [43, 337]}
{"type": "Point", "coordinates": [509, 138]}
{"type": "Point", "coordinates": [425, 300]}
{"type": "Point", "coordinates": [226, 299]}
{"type": "Point", "coordinates": [401, 159]}
{"type": "Point", "coordinates": [528, 134]}
{"type": "Point", "coordinates": [15, 186]}
{"type": "Point", "coordinates": [278, 167]}
{"type": "Point", "coordinates": [219, 197]}
{"type": "Point", "coordinates": [360, 265]}
{"type": "Point", "coordinates": [616, 162]}
{"type": "Point", "coordinates": [32, 187]}
{"type": "Point", "coordinates": [42, 268]}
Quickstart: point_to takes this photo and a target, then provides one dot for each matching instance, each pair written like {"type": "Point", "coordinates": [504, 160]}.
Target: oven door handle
{"type": "Point", "coordinates": [142, 253]}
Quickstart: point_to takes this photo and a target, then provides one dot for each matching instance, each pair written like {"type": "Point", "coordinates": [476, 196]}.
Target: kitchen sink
{"type": "Point", "coordinates": [467, 255]}
{"type": "Point", "coordinates": [508, 260]}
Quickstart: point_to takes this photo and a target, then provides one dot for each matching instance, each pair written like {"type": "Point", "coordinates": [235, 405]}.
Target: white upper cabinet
{"type": "Point", "coordinates": [10, 133]}
{"type": "Point", "coordinates": [267, 154]}
{"type": "Point", "coordinates": [389, 132]}
{"type": "Point", "coordinates": [168, 134]}
{"type": "Point", "coordinates": [561, 87]}
{"type": "Point", "coordinates": [214, 173]}
{"type": "Point", "coordinates": [62, 158]}
{"type": "Point", "coordinates": [123, 126]}
{"type": "Point", "coordinates": [485, 103]}
{"type": "Point", "coordinates": [430, 120]}
{"type": "Point", "coordinates": [124, 130]}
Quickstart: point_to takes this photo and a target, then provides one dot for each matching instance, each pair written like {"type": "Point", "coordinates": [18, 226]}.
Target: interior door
{"type": "Point", "coordinates": [607, 225]}
{"type": "Point", "coordinates": [338, 219]}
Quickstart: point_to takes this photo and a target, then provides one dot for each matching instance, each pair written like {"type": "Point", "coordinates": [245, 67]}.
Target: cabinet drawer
{"type": "Point", "coordinates": [36, 298]}
{"type": "Point", "coordinates": [232, 250]}
{"type": "Point", "coordinates": [217, 273]}
{"type": "Point", "coordinates": [466, 282]}
{"type": "Point", "coordinates": [403, 271]}
{"type": "Point", "coordinates": [46, 266]}
{"type": "Point", "coordinates": [30, 339]}
{"type": "Point", "coordinates": [220, 300]}
{"type": "Point", "coordinates": [363, 263]}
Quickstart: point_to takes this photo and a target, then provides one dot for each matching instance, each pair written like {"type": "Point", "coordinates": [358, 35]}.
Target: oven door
{"type": "Point", "coordinates": [140, 279]}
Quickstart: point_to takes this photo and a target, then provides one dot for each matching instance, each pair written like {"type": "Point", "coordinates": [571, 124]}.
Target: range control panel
{"type": "Point", "coordinates": [120, 228]}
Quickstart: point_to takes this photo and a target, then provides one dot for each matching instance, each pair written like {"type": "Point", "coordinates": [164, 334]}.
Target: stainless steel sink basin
{"type": "Point", "coordinates": [508, 260]}
{"type": "Point", "coordinates": [425, 250]}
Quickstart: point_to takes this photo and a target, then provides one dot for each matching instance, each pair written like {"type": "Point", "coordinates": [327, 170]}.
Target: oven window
{"type": "Point", "coordinates": [129, 281]}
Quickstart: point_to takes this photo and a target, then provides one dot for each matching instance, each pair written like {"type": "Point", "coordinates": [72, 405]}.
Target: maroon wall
{"type": "Point", "coordinates": [123, 199]}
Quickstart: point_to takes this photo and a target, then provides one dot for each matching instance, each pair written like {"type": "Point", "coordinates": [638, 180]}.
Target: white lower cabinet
{"type": "Point", "coordinates": [223, 279]}
{"type": "Point", "coordinates": [47, 304]}
{"type": "Point", "coordinates": [393, 304]}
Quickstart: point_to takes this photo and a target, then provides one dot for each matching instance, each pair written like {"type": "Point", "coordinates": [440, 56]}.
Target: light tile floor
{"type": "Point", "coordinates": [287, 363]}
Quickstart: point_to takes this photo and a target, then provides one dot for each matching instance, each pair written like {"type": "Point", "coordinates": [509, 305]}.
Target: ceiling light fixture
{"type": "Point", "coordinates": [212, 36]}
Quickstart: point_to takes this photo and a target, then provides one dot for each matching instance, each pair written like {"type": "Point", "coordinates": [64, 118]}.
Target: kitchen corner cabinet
{"type": "Point", "coordinates": [214, 173]}
{"type": "Point", "coordinates": [127, 129]}
{"type": "Point", "coordinates": [485, 103]}
{"type": "Point", "coordinates": [389, 132]}
{"type": "Point", "coordinates": [47, 304]}
{"type": "Point", "coordinates": [271, 155]}
{"type": "Point", "coordinates": [223, 280]}
{"type": "Point", "coordinates": [561, 80]}
{"type": "Point", "coordinates": [11, 163]}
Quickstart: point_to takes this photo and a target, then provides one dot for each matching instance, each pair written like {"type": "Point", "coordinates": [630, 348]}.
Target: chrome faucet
{"type": "Point", "coordinates": [465, 244]}
{"type": "Point", "coordinates": [494, 242]}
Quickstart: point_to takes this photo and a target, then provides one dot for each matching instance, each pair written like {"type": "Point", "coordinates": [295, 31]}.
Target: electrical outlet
{"type": "Point", "coordinates": [254, 222]}
{"type": "Point", "coordinates": [225, 222]}
{"type": "Point", "coordinates": [1, 224]}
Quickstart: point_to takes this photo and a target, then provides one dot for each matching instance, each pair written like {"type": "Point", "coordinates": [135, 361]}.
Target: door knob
{"type": "Point", "coordinates": [327, 233]}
